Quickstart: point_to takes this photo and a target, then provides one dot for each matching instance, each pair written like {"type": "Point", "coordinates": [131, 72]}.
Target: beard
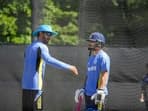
{"type": "Point", "coordinates": [45, 39]}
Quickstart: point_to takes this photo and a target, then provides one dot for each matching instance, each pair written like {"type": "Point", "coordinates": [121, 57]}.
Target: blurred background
{"type": "Point", "coordinates": [124, 24]}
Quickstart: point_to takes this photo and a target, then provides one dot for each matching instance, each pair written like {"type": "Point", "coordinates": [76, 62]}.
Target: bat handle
{"type": "Point", "coordinates": [78, 107]}
{"type": "Point", "coordinates": [100, 106]}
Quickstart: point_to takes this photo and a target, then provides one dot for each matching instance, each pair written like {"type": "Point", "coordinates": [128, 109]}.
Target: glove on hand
{"type": "Point", "coordinates": [78, 93]}
{"type": "Point", "coordinates": [99, 96]}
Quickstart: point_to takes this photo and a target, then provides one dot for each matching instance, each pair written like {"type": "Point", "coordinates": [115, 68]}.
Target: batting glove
{"type": "Point", "coordinates": [78, 93]}
{"type": "Point", "coordinates": [99, 96]}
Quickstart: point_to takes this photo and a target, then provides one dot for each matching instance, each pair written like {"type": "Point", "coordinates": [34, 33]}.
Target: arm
{"type": "Point", "coordinates": [51, 60]}
{"type": "Point", "coordinates": [142, 97]}
{"type": "Point", "coordinates": [105, 68]}
{"type": "Point", "coordinates": [142, 91]}
{"type": "Point", "coordinates": [56, 63]}
{"type": "Point", "coordinates": [103, 80]}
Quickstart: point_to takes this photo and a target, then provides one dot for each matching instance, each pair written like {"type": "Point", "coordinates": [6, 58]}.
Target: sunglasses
{"type": "Point", "coordinates": [48, 33]}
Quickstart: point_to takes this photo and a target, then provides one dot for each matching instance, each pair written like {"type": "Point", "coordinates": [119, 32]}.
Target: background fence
{"type": "Point", "coordinates": [127, 69]}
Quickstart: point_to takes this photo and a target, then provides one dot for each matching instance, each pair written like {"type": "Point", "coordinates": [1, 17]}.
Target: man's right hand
{"type": "Point", "coordinates": [78, 93]}
{"type": "Point", "coordinates": [142, 98]}
{"type": "Point", "coordinates": [74, 70]}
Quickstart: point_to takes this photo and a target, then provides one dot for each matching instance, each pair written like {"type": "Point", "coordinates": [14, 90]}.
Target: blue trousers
{"type": "Point", "coordinates": [90, 105]}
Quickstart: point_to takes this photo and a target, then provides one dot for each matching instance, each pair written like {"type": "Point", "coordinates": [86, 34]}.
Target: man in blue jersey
{"type": "Point", "coordinates": [98, 68]}
{"type": "Point", "coordinates": [144, 89]}
{"type": "Point", "coordinates": [36, 57]}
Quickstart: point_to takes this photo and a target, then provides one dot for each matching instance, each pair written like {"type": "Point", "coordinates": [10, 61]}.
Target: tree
{"type": "Point", "coordinates": [123, 22]}
{"type": "Point", "coordinates": [136, 19]}
{"type": "Point", "coordinates": [19, 17]}
{"type": "Point", "coordinates": [36, 15]}
{"type": "Point", "coordinates": [64, 22]}
{"type": "Point", "coordinates": [15, 21]}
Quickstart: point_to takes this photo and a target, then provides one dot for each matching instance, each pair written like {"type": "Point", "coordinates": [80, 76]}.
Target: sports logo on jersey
{"type": "Point", "coordinates": [92, 68]}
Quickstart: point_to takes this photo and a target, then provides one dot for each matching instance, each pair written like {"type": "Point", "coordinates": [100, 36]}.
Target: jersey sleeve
{"type": "Point", "coordinates": [105, 64]}
{"type": "Point", "coordinates": [143, 83]}
{"type": "Point", "coordinates": [51, 60]}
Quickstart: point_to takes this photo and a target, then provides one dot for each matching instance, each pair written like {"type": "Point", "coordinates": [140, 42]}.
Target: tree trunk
{"type": "Point", "coordinates": [37, 12]}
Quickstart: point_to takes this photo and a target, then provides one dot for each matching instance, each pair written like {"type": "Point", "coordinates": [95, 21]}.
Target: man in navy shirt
{"type": "Point", "coordinates": [35, 59]}
{"type": "Point", "coordinates": [144, 89]}
{"type": "Point", "coordinates": [98, 68]}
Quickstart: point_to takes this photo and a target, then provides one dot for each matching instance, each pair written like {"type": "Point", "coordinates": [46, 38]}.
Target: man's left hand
{"type": "Point", "coordinates": [99, 96]}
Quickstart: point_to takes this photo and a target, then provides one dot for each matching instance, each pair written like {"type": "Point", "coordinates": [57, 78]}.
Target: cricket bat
{"type": "Point", "coordinates": [79, 104]}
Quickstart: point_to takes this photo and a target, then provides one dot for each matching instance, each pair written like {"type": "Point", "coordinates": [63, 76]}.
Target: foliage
{"type": "Point", "coordinates": [15, 24]}
{"type": "Point", "coordinates": [130, 17]}
{"type": "Point", "coordinates": [134, 11]}
{"type": "Point", "coordinates": [15, 21]}
{"type": "Point", "coordinates": [15, 15]}
{"type": "Point", "coordinates": [133, 8]}
{"type": "Point", "coordinates": [67, 5]}
{"type": "Point", "coordinates": [64, 22]}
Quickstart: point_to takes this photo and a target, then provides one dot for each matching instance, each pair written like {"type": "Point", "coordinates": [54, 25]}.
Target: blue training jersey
{"type": "Point", "coordinates": [145, 79]}
{"type": "Point", "coordinates": [36, 57]}
{"type": "Point", "coordinates": [96, 64]}
{"type": "Point", "coordinates": [144, 82]}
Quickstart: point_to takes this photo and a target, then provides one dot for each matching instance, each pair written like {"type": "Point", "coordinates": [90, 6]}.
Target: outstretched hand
{"type": "Point", "coordinates": [74, 70]}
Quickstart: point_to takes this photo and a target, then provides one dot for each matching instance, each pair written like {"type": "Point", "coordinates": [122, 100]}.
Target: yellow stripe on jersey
{"type": "Point", "coordinates": [99, 81]}
{"type": "Point", "coordinates": [100, 105]}
{"type": "Point", "coordinates": [39, 103]}
{"type": "Point", "coordinates": [40, 75]}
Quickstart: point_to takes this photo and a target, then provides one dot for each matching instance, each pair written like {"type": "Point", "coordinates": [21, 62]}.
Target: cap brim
{"type": "Point", "coordinates": [53, 34]}
{"type": "Point", "coordinates": [90, 40]}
